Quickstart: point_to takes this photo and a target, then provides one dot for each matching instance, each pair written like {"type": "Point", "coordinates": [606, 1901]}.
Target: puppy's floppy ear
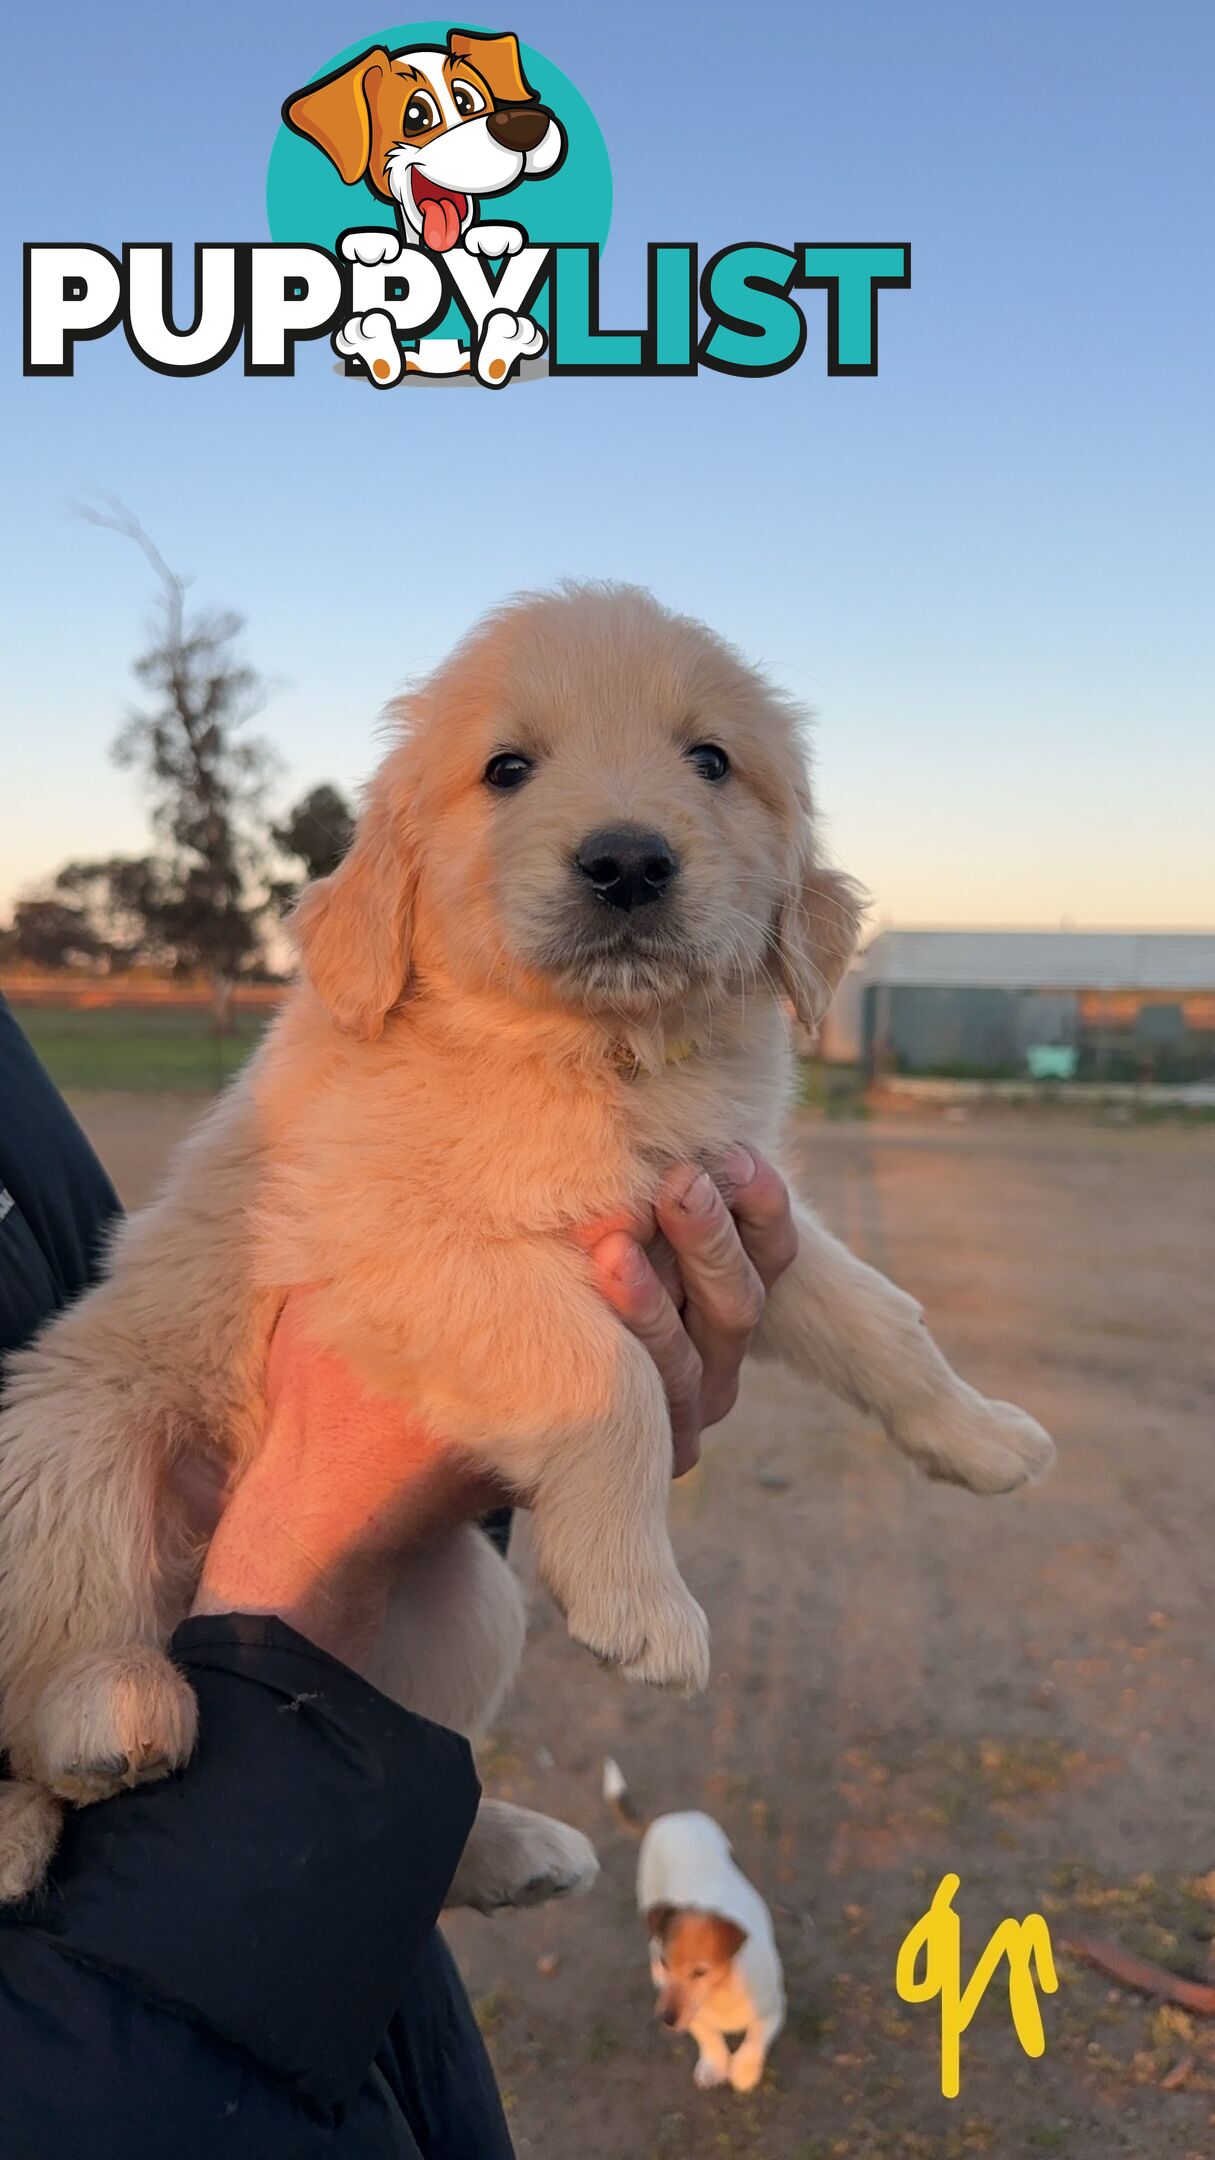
{"type": "Point", "coordinates": [497, 60]}
{"type": "Point", "coordinates": [817, 928]}
{"type": "Point", "coordinates": [730, 1937]}
{"type": "Point", "coordinates": [336, 113]}
{"type": "Point", "coordinates": [354, 929]}
{"type": "Point", "coordinates": [658, 1919]}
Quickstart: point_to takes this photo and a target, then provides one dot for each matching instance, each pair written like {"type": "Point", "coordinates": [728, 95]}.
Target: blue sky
{"type": "Point", "coordinates": [988, 569]}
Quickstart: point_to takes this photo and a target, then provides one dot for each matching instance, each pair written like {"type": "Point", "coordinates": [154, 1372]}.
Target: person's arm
{"type": "Point", "coordinates": [276, 1895]}
{"type": "Point", "coordinates": [232, 1942]}
{"type": "Point", "coordinates": [216, 1959]}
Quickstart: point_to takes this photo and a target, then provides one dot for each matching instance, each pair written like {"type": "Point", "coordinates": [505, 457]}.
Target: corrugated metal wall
{"type": "Point", "coordinates": [971, 1032]}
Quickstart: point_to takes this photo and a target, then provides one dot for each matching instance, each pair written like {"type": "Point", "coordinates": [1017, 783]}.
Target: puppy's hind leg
{"type": "Point", "coordinates": [87, 1580]}
{"type": "Point", "coordinates": [449, 1650]}
{"type": "Point", "coordinates": [454, 1632]}
{"type": "Point", "coordinates": [835, 1320]}
{"type": "Point", "coordinates": [30, 1820]}
{"type": "Point", "coordinates": [517, 1857]}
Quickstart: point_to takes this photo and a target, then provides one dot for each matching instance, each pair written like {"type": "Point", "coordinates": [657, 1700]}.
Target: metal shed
{"type": "Point", "coordinates": [1117, 1005]}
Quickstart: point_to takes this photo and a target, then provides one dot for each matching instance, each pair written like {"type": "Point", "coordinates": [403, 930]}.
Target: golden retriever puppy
{"type": "Point", "coordinates": [586, 882]}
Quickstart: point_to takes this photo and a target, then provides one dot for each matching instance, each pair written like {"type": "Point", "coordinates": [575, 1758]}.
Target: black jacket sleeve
{"type": "Point", "coordinates": [56, 1202]}
{"type": "Point", "coordinates": [217, 1960]}
{"type": "Point", "coordinates": [239, 1963]}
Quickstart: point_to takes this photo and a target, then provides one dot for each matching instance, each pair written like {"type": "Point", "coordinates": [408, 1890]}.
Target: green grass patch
{"type": "Point", "coordinates": [1168, 1919]}
{"type": "Point", "coordinates": [603, 2042]}
{"type": "Point", "coordinates": [138, 1047]}
{"type": "Point", "coordinates": [834, 1091]}
{"type": "Point", "coordinates": [492, 2009]}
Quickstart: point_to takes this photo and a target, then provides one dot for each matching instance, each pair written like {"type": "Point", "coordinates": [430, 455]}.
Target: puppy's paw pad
{"type": "Point", "coordinates": [989, 1447]}
{"type": "Point", "coordinates": [30, 1821]}
{"type": "Point", "coordinates": [373, 246]}
{"type": "Point", "coordinates": [113, 1720]}
{"type": "Point", "coordinates": [372, 339]}
{"type": "Point", "coordinates": [506, 341]}
{"type": "Point", "coordinates": [707, 2074]}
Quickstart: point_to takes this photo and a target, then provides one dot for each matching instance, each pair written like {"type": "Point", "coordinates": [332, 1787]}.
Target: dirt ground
{"type": "Point", "coordinates": [908, 1681]}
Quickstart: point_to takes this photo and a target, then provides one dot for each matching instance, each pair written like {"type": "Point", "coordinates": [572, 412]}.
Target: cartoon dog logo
{"type": "Point", "coordinates": [434, 130]}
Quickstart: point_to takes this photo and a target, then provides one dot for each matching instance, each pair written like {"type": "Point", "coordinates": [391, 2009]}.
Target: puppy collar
{"type": "Point", "coordinates": [630, 1066]}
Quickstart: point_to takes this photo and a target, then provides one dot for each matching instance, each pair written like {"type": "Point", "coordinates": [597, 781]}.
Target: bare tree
{"type": "Point", "coordinates": [206, 780]}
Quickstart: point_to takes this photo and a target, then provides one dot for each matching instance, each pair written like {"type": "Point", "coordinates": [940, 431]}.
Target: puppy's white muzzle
{"type": "Point", "coordinates": [467, 161]}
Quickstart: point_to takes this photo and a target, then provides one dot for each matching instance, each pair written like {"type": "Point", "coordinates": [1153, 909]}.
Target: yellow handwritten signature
{"type": "Point", "coordinates": [1025, 1944]}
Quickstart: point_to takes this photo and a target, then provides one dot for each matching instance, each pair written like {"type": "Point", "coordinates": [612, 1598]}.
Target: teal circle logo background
{"type": "Point", "coordinates": [308, 202]}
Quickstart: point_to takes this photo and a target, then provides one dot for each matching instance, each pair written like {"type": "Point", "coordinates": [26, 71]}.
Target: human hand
{"type": "Point", "coordinates": [346, 1481]}
{"type": "Point", "coordinates": [696, 1304]}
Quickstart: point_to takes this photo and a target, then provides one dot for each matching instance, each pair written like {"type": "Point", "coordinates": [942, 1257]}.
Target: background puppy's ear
{"type": "Point", "coordinates": [817, 929]}
{"type": "Point", "coordinates": [658, 1919]}
{"type": "Point", "coordinates": [497, 60]}
{"type": "Point", "coordinates": [353, 930]}
{"type": "Point", "coordinates": [336, 114]}
{"type": "Point", "coordinates": [730, 1937]}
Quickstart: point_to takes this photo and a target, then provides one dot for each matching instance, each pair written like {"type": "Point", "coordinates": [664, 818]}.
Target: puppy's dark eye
{"type": "Point", "coordinates": [710, 761]}
{"type": "Point", "coordinates": [508, 770]}
{"type": "Point", "coordinates": [699, 1972]}
{"type": "Point", "coordinates": [420, 113]}
{"type": "Point", "coordinates": [466, 99]}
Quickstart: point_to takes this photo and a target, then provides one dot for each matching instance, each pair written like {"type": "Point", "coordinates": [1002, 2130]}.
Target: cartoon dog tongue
{"type": "Point", "coordinates": [440, 223]}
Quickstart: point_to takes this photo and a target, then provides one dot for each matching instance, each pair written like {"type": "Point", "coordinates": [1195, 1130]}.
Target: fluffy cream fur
{"type": "Point", "coordinates": [476, 1062]}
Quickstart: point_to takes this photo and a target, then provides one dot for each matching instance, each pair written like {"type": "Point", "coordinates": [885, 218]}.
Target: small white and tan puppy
{"type": "Point", "coordinates": [432, 130]}
{"type": "Point", "coordinates": [713, 1955]}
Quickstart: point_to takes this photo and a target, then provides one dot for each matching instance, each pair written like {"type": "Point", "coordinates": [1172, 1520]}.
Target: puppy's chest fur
{"type": "Point", "coordinates": [422, 1138]}
{"type": "Point", "coordinates": [731, 2007]}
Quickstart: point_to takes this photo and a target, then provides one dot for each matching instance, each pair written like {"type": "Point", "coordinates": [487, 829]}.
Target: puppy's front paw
{"type": "Point", "coordinates": [660, 1636]}
{"type": "Point", "coordinates": [30, 1821]}
{"type": "Point", "coordinates": [494, 240]}
{"type": "Point", "coordinates": [990, 1447]}
{"type": "Point", "coordinates": [746, 2070]}
{"type": "Point", "coordinates": [675, 1651]}
{"type": "Point", "coordinates": [709, 2073]}
{"type": "Point", "coordinates": [112, 1719]}
{"type": "Point", "coordinates": [375, 245]}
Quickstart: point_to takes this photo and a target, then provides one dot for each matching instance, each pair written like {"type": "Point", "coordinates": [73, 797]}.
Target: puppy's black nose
{"type": "Point", "coordinates": [670, 2018]}
{"type": "Point", "coordinates": [626, 866]}
{"type": "Point", "coordinates": [518, 127]}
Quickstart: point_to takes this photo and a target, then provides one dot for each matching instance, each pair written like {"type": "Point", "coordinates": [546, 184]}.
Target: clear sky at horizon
{"type": "Point", "coordinates": [989, 570]}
